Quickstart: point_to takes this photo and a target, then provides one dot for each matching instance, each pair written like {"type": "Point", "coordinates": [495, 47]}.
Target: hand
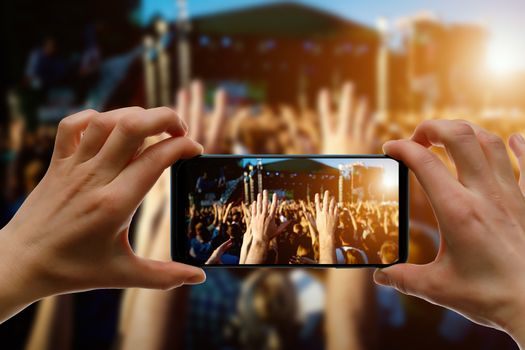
{"type": "Point", "coordinates": [326, 221]}
{"type": "Point", "coordinates": [352, 132]}
{"type": "Point", "coordinates": [71, 233]}
{"type": "Point", "coordinates": [478, 269]}
{"type": "Point", "coordinates": [263, 215]}
{"type": "Point", "coordinates": [215, 257]}
{"type": "Point", "coordinates": [191, 107]}
{"type": "Point", "coordinates": [263, 227]}
{"type": "Point", "coordinates": [312, 226]}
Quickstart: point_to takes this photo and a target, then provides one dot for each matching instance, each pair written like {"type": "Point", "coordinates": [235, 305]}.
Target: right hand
{"type": "Point", "coordinates": [262, 218]}
{"type": "Point", "coordinates": [478, 271]}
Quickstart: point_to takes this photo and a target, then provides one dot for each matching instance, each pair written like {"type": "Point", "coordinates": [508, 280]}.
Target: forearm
{"type": "Point", "coordinates": [245, 248]}
{"type": "Point", "coordinates": [344, 316]}
{"type": "Point", "coordinates": [327, 251]}
{"type": "Point", "coordinates": [257, 252]}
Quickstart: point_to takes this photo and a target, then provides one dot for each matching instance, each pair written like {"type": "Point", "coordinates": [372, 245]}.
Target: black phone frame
{"type": "Point", "coordinates": [178, 212]}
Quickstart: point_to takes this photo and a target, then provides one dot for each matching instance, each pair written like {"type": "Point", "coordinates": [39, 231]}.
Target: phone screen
{"type": "Point", "coordinates": [214, 224]}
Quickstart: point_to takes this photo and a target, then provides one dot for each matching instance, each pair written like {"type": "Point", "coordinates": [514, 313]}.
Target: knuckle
{"type": "Point", "coordinates": [108, 203]}
{"type": "Point", "coordinates": [66, 124]}
{"type": "Point", "coordinates": [130, 125]}
{"type": "Point", "coordinates": [166, 111]}
{"type": "Point", "coordinates": [492, 140]}
{"type": "Point", "coordinates": [91, 111]}
{"type": "Point", "coordinates": [461, 211]}
{"type": "Point", "coordinates": [427, 159]}
{"type": "Point", "coordinates": [101, 123]}
{"type": "Point", "coordinates": [462, 129]}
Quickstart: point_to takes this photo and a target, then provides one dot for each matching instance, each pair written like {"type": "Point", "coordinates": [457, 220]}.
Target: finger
{"type": "Point", "coordinates": [317, 203]}
{"type": "Point", "coordinates": [369, 127]}
{"type": "Point", "coordinates": [497, 156]}
{"type": "Point", "coordinates": [346, 105]}
{"type": "Point", "coordinates": [273, 206]}
{"type": "Point", "coordinates": [99, 129]}
{"type": "Point", "coordinates": [130, 132]}
{"type": "Point", "coordinates": [406, 278]}
{"type": "Point", "coordinates": [143, 172]}
{"type": "Point", "coordinates": [218, 119]}
{"type": "Point", "coordinates": [360, 129]}
{"type": "Point", "coordinates": [326, 198]}
{"type": "Point", "coordinates": [332, 206]}
{"type": "Point", "coordinates": [162, 275]}
{"type": "Point", "coordinates": [323, 106]}
{"type": "Point", "coordinates": [461, 142]}
{"type": "Point", "coordinates": [197, 110]}
{"type": "Point", "coordinates": [69, 133]}
{"type": "Point", "coordinates": [517, 145]}
{"type": "Point", "coordinates": [182, 105]}
{"type": "Point", "coordinates": [434, 177]}
{"type": "Point", "coordinates": [265, 203]}
{"type": "Point", "coordinates": [259, 203]}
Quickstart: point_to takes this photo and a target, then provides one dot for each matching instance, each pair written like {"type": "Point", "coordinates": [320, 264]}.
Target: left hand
{"type": "Point", "coordinates": [71, 233]}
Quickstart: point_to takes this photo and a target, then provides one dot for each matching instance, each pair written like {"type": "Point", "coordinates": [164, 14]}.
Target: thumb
{"type": "Point", "coordinates": [155, 274]}
{"type": "Point", "coordinates": [408, 279]}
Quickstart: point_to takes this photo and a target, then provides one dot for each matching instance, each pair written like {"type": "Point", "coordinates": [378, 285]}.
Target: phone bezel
{"type": "Point", "coordinates": [178, 220]}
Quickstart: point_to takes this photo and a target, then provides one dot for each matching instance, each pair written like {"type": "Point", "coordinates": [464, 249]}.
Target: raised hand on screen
{"type": "Point", "coordinates": [263, 227]}
{"type": "Point", "coordinates": [326, 220]}
{"type": "Point", "coordinates": [215, 257]}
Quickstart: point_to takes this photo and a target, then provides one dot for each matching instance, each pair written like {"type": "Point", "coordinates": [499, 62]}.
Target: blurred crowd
{"type": "Point", "coordinates": [265, 309]}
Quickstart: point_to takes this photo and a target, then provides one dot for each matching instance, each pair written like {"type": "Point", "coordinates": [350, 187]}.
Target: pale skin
{"type": "Point", "coordinates": [71, 233]}
{"type": "Point", "coordinates": [263, 228]}
{"type": "Point", "coordinates": [347, 129]}
{"type": "Point", "coordinates": [482, 229]}
{"type": "Point", "coordinates": [326, 219]}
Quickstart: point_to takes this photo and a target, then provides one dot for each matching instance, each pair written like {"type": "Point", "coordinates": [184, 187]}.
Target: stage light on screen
{"type": "Point", "coordinates": [389, 181]}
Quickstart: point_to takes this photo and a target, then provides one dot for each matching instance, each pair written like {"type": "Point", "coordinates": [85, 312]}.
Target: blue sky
{"type": "Point", "coordinates": [504, 18]}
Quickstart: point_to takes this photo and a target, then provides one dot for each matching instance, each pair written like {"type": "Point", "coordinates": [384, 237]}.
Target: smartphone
{"type": "Point", "coordinates": [212, 195]}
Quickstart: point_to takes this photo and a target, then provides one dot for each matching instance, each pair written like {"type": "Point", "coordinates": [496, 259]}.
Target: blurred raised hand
{"type": "Point", "coordinates": [347, 130]}
{"type": "Point", "coordinates": [207, 127]}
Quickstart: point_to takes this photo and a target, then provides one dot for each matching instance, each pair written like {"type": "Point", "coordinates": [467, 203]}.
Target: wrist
{"type": "Point", "coordinates": [20, 286]}
{"type": "Point", "coordinates": [511, 319]}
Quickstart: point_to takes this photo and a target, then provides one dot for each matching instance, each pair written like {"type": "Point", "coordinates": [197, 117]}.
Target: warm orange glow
{"type": "Point", "coordinates": [503, 56]}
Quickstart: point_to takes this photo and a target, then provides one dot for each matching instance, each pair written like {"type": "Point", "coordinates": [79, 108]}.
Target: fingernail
{"type": "Point", "coordinates": [199, 146]}
{"type": "Point", "coordinates": [381, 278]}
{"type": "Point", "coordinates": [196, 279]}
{"type": "Point", "coordinates": [388, 144]}
{"type": "Point", "coordinates": [520, 138]}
